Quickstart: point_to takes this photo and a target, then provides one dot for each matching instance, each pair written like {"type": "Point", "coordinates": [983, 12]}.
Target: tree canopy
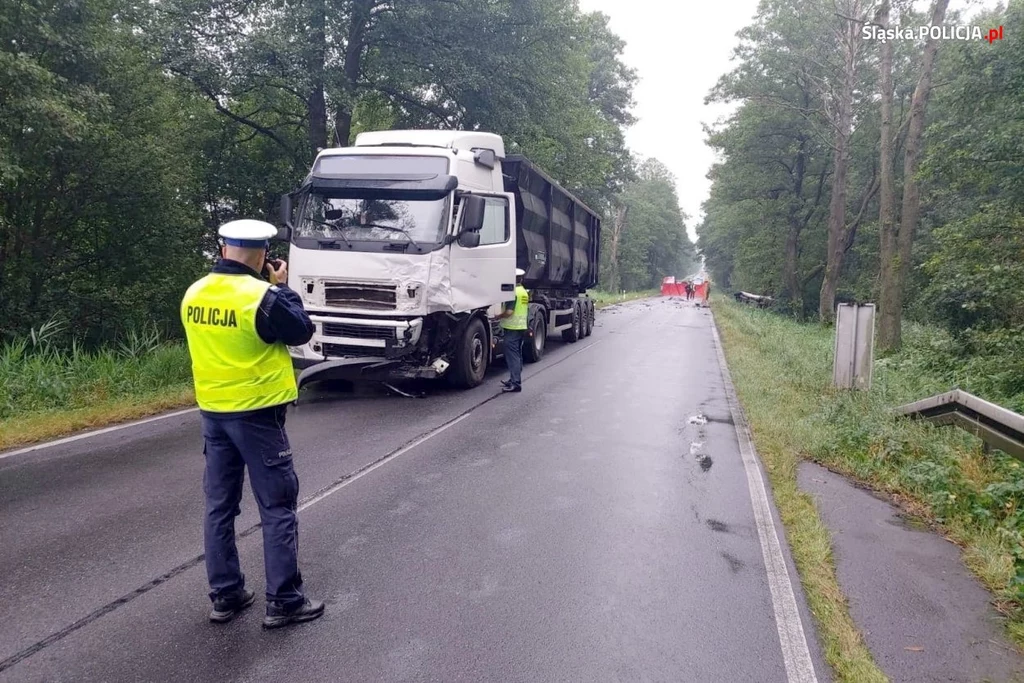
{"type": "Point", "coordinates": [766, 225]}
{"type": "Point", "coordinates": [129, 131]}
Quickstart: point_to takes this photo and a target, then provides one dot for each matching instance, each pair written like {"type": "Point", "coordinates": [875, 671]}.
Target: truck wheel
{"type": "Point", "coordinates": [588, 320]}
{"type": "Point", "coordinates": [573, 334]}
{"type": "Point", "coordinates": [471, 356]}
{"type": "Point", "coordinates": [533, 349]}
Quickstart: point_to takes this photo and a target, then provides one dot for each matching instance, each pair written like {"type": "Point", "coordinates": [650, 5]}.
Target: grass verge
{"type": "Point", "coordinates": [48, 391]}
{"type": "Point", "coordinates": [775, 409]}
{"type": "Point", "coordinates": [24, 430]}
{"type": "Point", "coordinates": [782, 371]}
{"type": "Point", "coordinates": [605, 299]}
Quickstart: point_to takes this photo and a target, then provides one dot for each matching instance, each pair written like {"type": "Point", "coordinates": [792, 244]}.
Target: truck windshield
{"type": "Point", "coordinates": [372, 220]}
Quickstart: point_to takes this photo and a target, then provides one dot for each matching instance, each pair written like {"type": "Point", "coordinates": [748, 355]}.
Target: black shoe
{"type": "Point", "coordinates": [511, 389]}
{"type": "Point", "coordinates": [307, 611]}
{"type": "Point", "coordinates": [506, 382]}
{"type": "Point", "coordinates": [226, 609]}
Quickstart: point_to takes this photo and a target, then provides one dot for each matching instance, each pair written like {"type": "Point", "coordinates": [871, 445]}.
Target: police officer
{"type": "Point", "coordinates": [514, 323]}
{"type": "Point", "coordinates": [239, 326]}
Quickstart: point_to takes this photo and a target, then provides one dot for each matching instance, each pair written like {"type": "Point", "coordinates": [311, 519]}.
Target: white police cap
{"type": "Point", "coordinates": [520, 272]}
{"type": "Point", "coordinates": [247, 233]}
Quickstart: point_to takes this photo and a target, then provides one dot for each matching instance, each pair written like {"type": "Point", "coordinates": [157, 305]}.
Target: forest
{"type": "Point", "coordinates": [130, 131]}
{"type": "Point", "coordinates": [886, 171]}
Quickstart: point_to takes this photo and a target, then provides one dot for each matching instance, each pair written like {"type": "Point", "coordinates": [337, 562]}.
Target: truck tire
{"type": "Point", "coordinates": [533, 349]}
{"type": "Point", "coordinates": [588, 320]}
{"type": "Point", "coordinates": [471, 356]}
{"type": "Point", "coordinates": [573, 334]}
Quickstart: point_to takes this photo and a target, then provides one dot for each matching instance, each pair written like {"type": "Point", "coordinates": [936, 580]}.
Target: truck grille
{"type": "Point", "coordinates": [335, 350]}
{"type": "Point", "coordinates": [358, 331]}
{"type": "Point", "coordinates": [360, 295]}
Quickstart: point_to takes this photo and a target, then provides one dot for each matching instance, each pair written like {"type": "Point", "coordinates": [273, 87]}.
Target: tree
{"type": "Point", "coordinates": [896, 246]}
{"type": "Point", "coordinates": [121, 154]}
{"type": "Point", "coordinates": [99, 220]}
{"type": "Point", "coordinates": [973, 259]}
{"type": "Point", "coordinates": [649, 232]}
{"type": "Point", "coordinates": [887, 203]}
{"type": "Point", "coordinates": [538, 72]}
{"type": "Point", "coordinates": [801, 99]}
{"type": "Point", "coordinates": [840, 112]}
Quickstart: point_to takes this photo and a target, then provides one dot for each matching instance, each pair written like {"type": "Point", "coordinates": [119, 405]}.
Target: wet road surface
{"type": "Point", "coordinates": [922, 613]}
{"type": "Point", "coordinates": [588, 529]}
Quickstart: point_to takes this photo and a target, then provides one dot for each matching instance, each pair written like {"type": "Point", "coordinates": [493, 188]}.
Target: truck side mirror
{"type": "Point", "coordinates": [469, 240]}
{"type": "Point", "coordinates": [473, 213]}
{"type": "Point", "coordinates": [286, 213]}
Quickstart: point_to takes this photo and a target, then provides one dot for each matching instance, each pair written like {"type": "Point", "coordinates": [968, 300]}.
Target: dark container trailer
{"type": "Point", "coordinates": [558, 243]}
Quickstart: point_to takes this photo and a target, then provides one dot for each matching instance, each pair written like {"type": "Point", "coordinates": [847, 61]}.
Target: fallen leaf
{"type": "Point", "coordinates": [914, 648]}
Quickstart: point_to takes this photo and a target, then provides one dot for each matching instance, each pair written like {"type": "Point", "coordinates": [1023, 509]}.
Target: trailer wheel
{"type": "Point", "coordinates": [573, 334]}
{"type": "Point", "coordinates": [471, 356]}
{"type": "Point", "coordinates": [588, 320]}
{"type": "Point", "coordinates": [533, 349]}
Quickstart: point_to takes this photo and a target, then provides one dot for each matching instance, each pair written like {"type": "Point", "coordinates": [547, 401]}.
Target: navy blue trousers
{"type": "Point", "coordinates": [514, 355]}
{"type": "Point", "coordinates": [255, 440]}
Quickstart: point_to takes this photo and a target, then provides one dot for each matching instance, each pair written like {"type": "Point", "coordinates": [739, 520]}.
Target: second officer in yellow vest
{"type": "Point", "coordinates": [239, 326]}
{"type": "Point", "coordinates": [515, 327]}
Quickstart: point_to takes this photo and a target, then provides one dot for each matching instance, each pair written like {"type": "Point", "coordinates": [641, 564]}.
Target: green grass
{"type": "Point", "coordinates": [47, 391]}
{"type": "Point", "coordinates": [605, 299]}
{"type": "Point", "coordinates": [782, 370]}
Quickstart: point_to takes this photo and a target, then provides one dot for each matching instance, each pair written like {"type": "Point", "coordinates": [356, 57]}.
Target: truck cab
{"type": "Point", "coordinates": [403, 248]}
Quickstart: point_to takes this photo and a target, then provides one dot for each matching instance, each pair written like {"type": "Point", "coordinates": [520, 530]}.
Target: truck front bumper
{"type": "Point", "coordinates": [365, 369]}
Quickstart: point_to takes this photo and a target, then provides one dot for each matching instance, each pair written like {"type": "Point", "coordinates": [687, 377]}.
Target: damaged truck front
{"type": "Point", "coordinates": [403, 248]}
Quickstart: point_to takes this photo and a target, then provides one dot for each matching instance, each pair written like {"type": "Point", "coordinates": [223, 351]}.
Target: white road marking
{"type": "Point", "coordinates": [423, 439]}
{"type": "Point", "coordinates": [795, 653]}
{"type": "Point", "coordinates": [383, 461]}
{"type": "Point", "coordinates": [95, 432]}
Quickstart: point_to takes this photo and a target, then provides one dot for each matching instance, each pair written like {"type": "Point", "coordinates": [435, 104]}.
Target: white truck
{"type": "Point", "coordinates": [404, 248]}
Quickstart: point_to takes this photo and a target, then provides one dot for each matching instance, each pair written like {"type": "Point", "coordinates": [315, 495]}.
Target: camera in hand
{"type": "Point", "coordinates": [271, 264]}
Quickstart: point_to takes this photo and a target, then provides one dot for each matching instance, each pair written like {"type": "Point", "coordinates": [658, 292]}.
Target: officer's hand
{"type": "Point", "coordinates": [280, 274]}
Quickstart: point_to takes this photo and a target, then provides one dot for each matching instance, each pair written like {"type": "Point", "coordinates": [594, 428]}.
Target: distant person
{"type": "Point", "coordinates": [239, 326]}
{"type": "Point", "coordinates": [514, 323]}
{"type": "Point", "coordinates": [689, 289]}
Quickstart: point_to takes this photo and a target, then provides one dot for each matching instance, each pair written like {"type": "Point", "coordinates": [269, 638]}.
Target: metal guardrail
{"type": "Point", "coordinates": [996, 426]}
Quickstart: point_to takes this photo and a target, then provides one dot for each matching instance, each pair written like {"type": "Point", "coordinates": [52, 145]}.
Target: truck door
{"type": "Point", "coordinates": [485, 275]}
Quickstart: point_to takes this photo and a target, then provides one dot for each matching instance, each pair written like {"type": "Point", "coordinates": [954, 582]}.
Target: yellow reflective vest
{"type": "Point", "coordinates": [519, 318]}
{"type": "Point", "coordinates": [233, 369]}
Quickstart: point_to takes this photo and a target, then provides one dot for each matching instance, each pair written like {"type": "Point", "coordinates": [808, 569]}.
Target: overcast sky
{"type": "Point", "coordinates": [679, 51]}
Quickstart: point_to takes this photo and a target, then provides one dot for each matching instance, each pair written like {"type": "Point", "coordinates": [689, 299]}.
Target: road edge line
{"type": "Point", "coordinates": [95, 432]}
{"type": "Point", "coordinates": [796, 654]}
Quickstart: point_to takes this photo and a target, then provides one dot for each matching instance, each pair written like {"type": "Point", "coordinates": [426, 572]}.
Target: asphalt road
{"type": "Point", "coordinates": [585, 530]}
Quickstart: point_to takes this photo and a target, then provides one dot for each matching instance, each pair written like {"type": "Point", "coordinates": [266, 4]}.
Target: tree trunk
{"type": "Point", "coordinates": [843, 123]}
{"type": "Point", "coordinates": [889, 303]}
{"type": "Point", "coordinates": [352, 69]}
{"type": "Point", "coordinates": [316, 102]}
{"type": "Point", "coordinates": [791, 272]}
{"type": "Point", "coordinates": [618, 225]}
{"type": "Point", "coordinates": [911, 209]}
